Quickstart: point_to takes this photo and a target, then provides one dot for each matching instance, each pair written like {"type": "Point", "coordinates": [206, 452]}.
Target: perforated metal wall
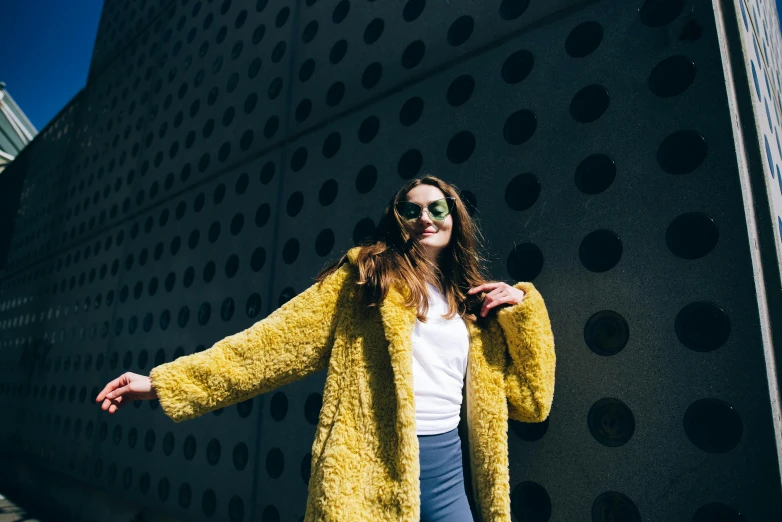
{"type": "Point", "coordinates": [222, 152]}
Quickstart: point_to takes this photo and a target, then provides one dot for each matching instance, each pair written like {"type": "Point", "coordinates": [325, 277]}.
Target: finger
{"type": "Point", "coordinates": [117, 405]}
{"type": "Point", "coordinates": [494, 302]}
{"type": "Point", "coordinates": [108, 403]}
{"type": "Point", "coordinates": [118, 392]}
{"type": "Point", "coordinates": [501, 300]}
{"type": "Point", "coordinates": [497, 291]}
{"type": "Point", "coordinates": [108, 388]}
{"type": "Point", "coordinates": [494, 294]}
{"type": "Point", "coordinates": [486, 300]}
{"type": "Point", "coordinates": [102, 395]}
{"type": "Point", "coordinates": [485, 307]}
{"type": "Point", "coordinates": [485, 286]}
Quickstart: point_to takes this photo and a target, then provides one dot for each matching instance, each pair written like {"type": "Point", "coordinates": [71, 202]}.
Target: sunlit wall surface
{"type": "Point", "coordinates": [223, 152]}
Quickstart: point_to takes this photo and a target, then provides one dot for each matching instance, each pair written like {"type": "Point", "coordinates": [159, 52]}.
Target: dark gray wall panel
{"type": "Point", "coordinates": [559, 122]}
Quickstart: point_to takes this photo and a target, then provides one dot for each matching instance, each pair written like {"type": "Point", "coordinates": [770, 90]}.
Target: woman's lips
{"type": "Point", "coordinates": [427, 233]}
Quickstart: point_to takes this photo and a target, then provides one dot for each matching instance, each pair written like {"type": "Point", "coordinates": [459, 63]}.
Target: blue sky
{"type": "Point", "coordinates": [46, 51]}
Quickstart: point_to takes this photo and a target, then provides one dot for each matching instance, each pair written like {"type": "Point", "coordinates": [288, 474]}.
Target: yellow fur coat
{"type": "Point", "coordinates": [365, 463]}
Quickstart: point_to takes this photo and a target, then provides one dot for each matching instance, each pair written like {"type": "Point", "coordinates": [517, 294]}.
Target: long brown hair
{"type": "Point", "coordinates": [395, 257]}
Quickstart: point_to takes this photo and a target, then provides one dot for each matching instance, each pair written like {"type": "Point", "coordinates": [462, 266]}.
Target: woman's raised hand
{"type": "Point", "coordinates": [126, 388]}
{"type": "Point", "coordinates": [499, 293]}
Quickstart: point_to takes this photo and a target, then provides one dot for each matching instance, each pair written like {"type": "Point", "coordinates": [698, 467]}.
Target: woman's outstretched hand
{"type": "Point", "coordinates": [126, 388]}
{"type": "Point", "coordinates": [499, 293]}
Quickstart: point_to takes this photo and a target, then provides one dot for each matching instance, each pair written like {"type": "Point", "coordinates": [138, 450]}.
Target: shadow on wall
{"type": "Point", "coordinates": [11, 182]}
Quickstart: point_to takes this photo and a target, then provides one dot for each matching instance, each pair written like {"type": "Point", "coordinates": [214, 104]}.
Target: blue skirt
{"type": "Point", "coordinates": [443, 494]}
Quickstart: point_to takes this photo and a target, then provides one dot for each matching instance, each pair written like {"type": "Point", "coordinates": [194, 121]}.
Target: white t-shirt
{"type": "Point", "coordinates": [440, 349]}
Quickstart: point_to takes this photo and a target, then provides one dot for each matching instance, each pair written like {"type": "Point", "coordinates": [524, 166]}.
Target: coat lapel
{"type": "Point", "coordinates": [398, 322]}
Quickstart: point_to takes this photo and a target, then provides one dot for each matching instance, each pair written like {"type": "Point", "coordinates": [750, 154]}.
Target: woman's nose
{"type": "Point", "coordinates": [426, 219]}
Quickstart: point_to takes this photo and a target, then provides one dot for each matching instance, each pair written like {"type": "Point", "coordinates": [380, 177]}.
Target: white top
{"type": "Point", "coordinates": [440, 349]}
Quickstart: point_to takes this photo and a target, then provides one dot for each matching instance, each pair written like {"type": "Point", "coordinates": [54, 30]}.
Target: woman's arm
{"type": "Point", "coordinates": [292, 342]}
{"type": "Point", "coordinates": [529, 375]}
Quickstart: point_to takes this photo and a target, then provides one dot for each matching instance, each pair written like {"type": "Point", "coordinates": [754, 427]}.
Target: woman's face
{"type": "Point", "coordinates": [434, 235]}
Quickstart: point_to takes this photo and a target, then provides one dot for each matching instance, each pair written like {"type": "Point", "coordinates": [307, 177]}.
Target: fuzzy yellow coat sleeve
{"type": "Point", "coordinates": [290, 343]}
{"type": "Point", "coordinates": [529, 374]}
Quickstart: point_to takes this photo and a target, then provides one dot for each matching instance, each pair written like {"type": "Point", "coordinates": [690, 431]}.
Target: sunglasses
{"type": "Point", "coordinates": [438, 210]}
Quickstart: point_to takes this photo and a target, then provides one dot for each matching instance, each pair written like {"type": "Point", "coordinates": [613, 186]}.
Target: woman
{"type": "Point", "coordinates": [414, 340]}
